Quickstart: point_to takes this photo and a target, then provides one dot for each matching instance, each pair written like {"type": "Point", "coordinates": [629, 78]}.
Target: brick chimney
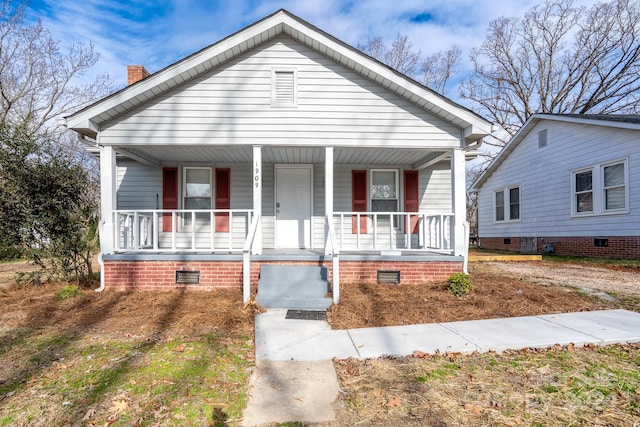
{"type": "Point", "coordinates": [136, 73]}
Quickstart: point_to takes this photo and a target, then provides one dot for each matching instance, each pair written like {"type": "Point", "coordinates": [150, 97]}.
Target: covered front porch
{"type": "Point", "coordinates": [356, 210]}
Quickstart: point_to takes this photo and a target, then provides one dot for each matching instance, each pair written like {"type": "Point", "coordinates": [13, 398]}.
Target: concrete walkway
{"type": "Point", "coordinates": [294, 356]}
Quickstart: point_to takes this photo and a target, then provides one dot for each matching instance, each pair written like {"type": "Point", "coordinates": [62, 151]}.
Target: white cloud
{"type": "Point", "coordinates": [158, 33]}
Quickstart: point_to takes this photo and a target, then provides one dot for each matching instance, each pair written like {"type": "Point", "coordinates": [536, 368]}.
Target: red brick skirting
{"type": "Point", "coordinates": [162, 274]}
{"type": "Point", "coordinates": [616, 246]}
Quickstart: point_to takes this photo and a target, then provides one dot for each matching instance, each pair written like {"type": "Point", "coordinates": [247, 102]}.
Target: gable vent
{"type": "Point", "coordinates": [542, 138]}
{"type": "Point", "coordinates": [284, 90]}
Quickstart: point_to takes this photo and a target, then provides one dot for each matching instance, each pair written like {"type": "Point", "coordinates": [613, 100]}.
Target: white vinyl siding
{"type": "Point", "coordinates": [138, 186]}
{"type": "Point", "coordinates": [545, 176]}
{"type": "Point", "coordinates": [232, 105]}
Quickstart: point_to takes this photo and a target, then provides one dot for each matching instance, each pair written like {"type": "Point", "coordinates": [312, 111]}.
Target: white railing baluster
{"type": "Point", "coordinates": [156, 231]}
{"type": "Point", "coordinates": [174, 226]}
{"type": "Point", "coordinates": [231, 230]}
{"type": "Point", "coordinates": [375, 230]}
{"type": "Point", "coordinates": [135, 232]}
{"type": "Point", "coordinates": [212, 229]}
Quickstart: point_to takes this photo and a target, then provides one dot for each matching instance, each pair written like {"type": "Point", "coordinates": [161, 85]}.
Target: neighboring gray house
{"type": "Point", "coordinates": [279, 145]}
{"type": "Point", "coordinates": [567, 183]}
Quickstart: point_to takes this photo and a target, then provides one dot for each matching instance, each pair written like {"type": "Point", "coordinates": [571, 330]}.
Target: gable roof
{"type": "Point", "coordinates": [610, 120]}
{"type": "Point", "coordinates": [88, 120]}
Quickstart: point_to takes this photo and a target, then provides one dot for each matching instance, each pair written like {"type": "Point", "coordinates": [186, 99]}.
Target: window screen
{"type": "Point", "coordinates": [584, 191]}
{"type": "Point", "coordinates": [499, 205]}
{"type": "Point", "coordinates": [614, 191]}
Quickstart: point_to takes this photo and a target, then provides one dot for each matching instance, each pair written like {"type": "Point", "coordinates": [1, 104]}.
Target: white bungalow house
{"type": "Point", "coordinates": [568, 184]}
{"type": "Point", "coordinates": [279, 145]}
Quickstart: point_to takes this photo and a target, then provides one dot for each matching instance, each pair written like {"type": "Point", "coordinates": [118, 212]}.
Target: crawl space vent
{"type": "Point", "coordinates": [187, 277]}
{"type": "Point", "coordinates": [389, 276]}
{"type": "Point", "coordinates": [601, 243]}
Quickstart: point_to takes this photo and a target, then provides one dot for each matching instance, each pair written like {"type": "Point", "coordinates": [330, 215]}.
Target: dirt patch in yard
{"type": "Point", "coordinates": [584, 276]}
{"type": "Point", "coordinates": [499, 290]}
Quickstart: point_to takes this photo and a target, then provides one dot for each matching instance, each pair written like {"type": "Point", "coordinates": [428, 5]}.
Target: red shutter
{"type": "Point", "coordinates": [223, 199]}
{"type": "Point", "coordinates": [359, 199]}
{"type": "Point", "coordinates": [411, 198]}
{"type": "Point", "coordinates": [169, 195]}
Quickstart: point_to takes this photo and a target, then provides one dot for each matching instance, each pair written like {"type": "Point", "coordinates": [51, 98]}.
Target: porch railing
{"type": "Point", "coordinates": [406, 231]}
{"type": "Point", "coordinates": [184, 230]}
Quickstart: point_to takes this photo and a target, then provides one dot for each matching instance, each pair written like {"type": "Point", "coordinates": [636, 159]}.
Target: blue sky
{"type": "Point", "coordinates": [158, 33]}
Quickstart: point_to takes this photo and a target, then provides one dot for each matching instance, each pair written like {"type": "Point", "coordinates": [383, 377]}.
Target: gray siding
{"type": "Point", "coordinates": [232, 105]}
{"type": "Point", "coordinates": [138, 186]}
{"type": "Point", "coordinates": [544, 176]}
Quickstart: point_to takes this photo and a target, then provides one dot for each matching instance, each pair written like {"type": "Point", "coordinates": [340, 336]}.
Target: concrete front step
{"type": "Point", "coordinates": [293, 272]}
{"type": "Point", "coordinates": [294, 303]}
{"type": "Point", "coordinates": [293, 287]}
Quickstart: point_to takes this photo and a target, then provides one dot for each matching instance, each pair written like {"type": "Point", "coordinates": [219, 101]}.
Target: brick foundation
{"type": "Point", "coordinates": [617, 246]}
{"type": "Point", "coordinates": [148, 275]}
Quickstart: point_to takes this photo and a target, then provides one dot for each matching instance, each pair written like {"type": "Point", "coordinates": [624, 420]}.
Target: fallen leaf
{"type": "Point", "coordinates": [119, 406]}
{"type": "Point", "coordinates": [394, 402]}
{"type": "Point", "coordinates": [90, 413]}
{"type": "Point", "coordinates": [420, 354]}
{"type": "Point", "coordinates": [179, 348]}
{"type": "Point", "coordinates": [474, 409]}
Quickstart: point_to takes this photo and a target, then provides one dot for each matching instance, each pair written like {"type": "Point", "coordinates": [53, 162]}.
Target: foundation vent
{"type": "Point", "coordinates": [187, 277]}
{"type": "Point", "coordinates": [389, 276]}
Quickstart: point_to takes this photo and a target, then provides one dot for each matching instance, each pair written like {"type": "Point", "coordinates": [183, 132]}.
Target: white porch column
{"type": "Point", "coordinates": [459, 202]}
{"type": "Point", "coordinates": [257, 196]}
{"type": "Point", "coordinates": [328, 193]}
{"type": "Point", "coordinates": [107, 198]}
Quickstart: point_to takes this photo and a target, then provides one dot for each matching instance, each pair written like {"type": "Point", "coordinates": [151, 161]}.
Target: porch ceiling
{"type": "Point", "coordinates": [243, 154]}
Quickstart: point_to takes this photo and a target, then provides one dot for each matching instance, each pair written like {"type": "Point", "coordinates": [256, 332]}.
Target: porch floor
{"type": "Point", "coordinates": [283, 255]}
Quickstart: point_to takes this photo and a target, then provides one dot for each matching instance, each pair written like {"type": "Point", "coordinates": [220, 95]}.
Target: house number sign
{"type": "Point", "coordinates": [256, 175]}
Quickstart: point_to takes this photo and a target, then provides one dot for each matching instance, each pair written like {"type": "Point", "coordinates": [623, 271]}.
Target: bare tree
{"type": "Point", "coordinates": [558, 59]}
{"type": "Point", "coordinates": [438, 68]}
{"type": "Point", "coordinates": [433, 71]}
{"type": "Point", "coordinates": [400, 56]}
{"type": "Point", "coordinates": [47, 199]}
{"type": "Point", "coordinates": [39, 81]}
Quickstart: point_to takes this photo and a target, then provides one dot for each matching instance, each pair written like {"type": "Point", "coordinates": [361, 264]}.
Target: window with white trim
{"type": "Point", "coordinates": [196, 192]}
{"type": "Point", "coordinates": [384, 190]}
{"type": "Point", "coordinates": [284, 91]}
{"type": "Point", "coordinates": [507, 204]}
{"type": "Point", "coordinates": [600, 189]}
{"type": "Point", "coordinates": [499, 205]}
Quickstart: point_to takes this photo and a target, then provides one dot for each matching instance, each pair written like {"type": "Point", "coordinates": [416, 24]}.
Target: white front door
{"type": "Point", "coordinates": [293, 206]}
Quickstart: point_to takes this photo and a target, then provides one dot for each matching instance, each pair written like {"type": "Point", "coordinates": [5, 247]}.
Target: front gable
{"type": "Point", "coordinates": [233, 105]}
{"type": "Point", "coordinates": [279, 29]}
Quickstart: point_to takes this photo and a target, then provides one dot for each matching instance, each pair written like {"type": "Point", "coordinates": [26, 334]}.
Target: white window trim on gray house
{"type": "Point", "coordinates": [381, 195]}
{"type": "Point", "coordinates": [507, 204]}
{"type": "Point", "coordinates": [599, 190]}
